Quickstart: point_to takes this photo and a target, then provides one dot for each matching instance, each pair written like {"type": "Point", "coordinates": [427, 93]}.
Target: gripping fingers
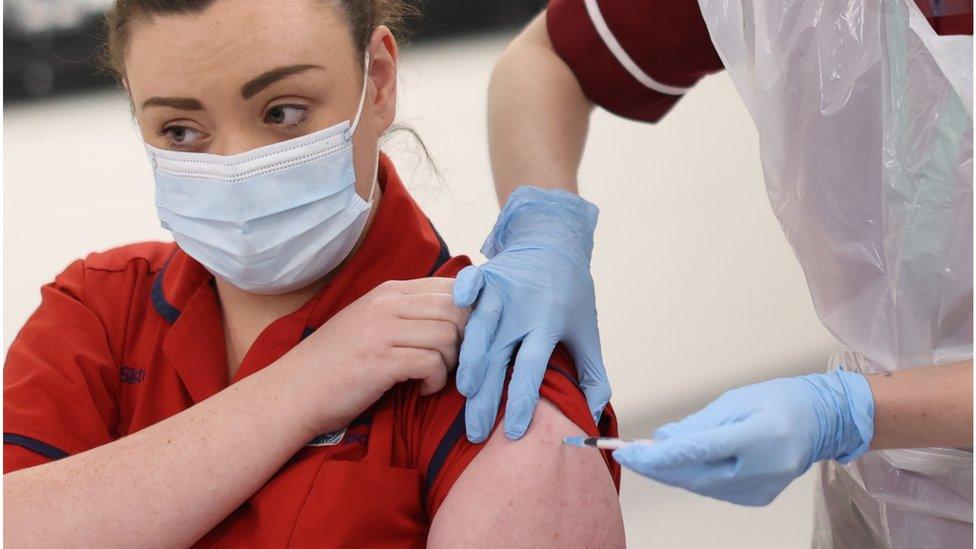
{"type": "Point", "coordinates": [523, 391]}
{"type": "Point", "coordinates": [479, 334]}
{"type": "Point", "coordinates": [596, 387]}
{"type": "Point", "coordinates": [424, 365]}
{"type": "Point", "coordinates": [437, 335]}
{"type": "Point", "coordinates": [468, 285]}
{"type": "Point", "coordinates": [695, 476]}
{"type": "Point", "coordinates": [481, 409]}
{"type": "Point", "coordinates": [690, 461]}
{"type": "Point", "coordinates": [433, 306]}
{"type": "Point", "coordinates": [428, 285]}
{"type": "Point", "coordinates": [656, 461]}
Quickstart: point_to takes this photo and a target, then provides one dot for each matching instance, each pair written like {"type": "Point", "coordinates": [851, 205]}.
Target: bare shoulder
{"type": "Point", "coordinates": [533, 492]}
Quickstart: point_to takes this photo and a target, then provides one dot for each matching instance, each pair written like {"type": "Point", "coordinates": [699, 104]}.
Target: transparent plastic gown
{"type": "Point", "coordinates": [865, 125]}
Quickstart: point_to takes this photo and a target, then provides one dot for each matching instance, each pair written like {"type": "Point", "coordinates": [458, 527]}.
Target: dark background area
{"type": "Point", "coordinates": [52, 46]}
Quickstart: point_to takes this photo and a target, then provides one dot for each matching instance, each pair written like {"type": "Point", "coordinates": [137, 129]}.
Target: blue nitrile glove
{"type": "Point", "coordinates": [748, 444]}
{"type": "Point", "coordinates": [535, 289]}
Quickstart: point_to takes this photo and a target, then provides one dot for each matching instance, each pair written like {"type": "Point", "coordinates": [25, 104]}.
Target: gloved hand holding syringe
{"type": "Point", "coordinates": [747, 445]}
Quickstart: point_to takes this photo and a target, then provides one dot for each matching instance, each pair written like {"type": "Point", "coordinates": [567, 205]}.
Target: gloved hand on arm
{"type": "Point", "coordinates": [750, 443]}
{"type": "Point", "coordinates": [535, 290]}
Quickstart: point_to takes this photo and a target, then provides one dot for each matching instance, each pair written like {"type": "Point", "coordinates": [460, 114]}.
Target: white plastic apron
{"type": "Point", "coordinates": [865, 125]}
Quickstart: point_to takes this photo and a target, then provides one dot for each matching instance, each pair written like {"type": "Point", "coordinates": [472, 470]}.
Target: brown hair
{"type": "Point", "coordinates": [363, 16]}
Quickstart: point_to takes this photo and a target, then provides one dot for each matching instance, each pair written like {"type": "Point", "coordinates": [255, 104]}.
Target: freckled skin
{"type": "Point", "coordinates": [536, 475]}
{"type": "Point", "coordinates": [904, 414]}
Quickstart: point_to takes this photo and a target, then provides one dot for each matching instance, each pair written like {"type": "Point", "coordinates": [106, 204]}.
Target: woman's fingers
{"type": "Point", "coordinates": [437, 335]}
{"type": "Point", "coordinates": [699, 461]}
{"type": "Point", "coordinates": [592, 375]}
{"type": "Point", "coordinates": [479, 334]}
{"type": "Point", "coordinates": [432, 306]}
{"type": "Point", "coordinates": [523, 390]}
{"type": "Point", "coordinates": [481, 409]}
{"type": "Point", "coordinates": [433, 284]}
{"type": "Point", "coordinates": [424, 365]}
{"type": "Point", "coordinates": [468, 285]}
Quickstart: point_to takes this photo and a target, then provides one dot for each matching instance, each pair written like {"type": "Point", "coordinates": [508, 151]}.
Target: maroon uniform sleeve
{"type": "Point", "coordinates": [443, 452]}
{"type": "Point", "coordinates": [635, 58]}
{"type": "Point", "coordinates": [60, 384]}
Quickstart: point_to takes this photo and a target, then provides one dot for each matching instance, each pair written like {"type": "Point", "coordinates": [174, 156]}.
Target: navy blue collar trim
{"type": "Point", "coordinates": [444, 254]}
{"type": "Point", "coordinates": [158, 297]}
{"type": "Point", "coordinates": [442, 257]}
{"type": "Point", "coordinates": [34, 445]}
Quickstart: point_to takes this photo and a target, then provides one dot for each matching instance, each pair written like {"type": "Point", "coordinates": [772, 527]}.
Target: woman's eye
{"type": "Point", "coordinates": [182, 136]}
{"type": "Point", "coordinates": [286, 115]}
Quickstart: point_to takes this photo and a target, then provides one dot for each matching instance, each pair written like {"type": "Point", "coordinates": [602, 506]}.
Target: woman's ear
{"type": "Point", "coordinates": [384, 58]}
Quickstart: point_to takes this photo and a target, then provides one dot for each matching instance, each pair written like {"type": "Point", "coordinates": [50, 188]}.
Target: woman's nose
{"type": "Point", "coordinates": [235, 141]}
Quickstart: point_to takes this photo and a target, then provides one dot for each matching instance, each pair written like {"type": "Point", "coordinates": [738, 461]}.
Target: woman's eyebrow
{"type": "Point", "coordinates": [257, 84]}
{"type": "Point", "coordinates": [182, 103]}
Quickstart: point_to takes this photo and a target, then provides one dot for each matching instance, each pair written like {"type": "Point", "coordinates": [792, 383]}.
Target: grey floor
{"type": "Point", "coordinates": [697, 289]}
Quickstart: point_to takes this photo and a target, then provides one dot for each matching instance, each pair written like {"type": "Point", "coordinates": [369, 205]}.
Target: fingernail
{"type": "Point", "coordinates": [481, 430]}
{"type": "Point", "coordinates": [461, 382]}
{"type": "Point", "coordinates": [476, 434]}
{"type": "Point", "coordinates": [515, 423]}
{"type": "Point", "coordinates": [514, 434]}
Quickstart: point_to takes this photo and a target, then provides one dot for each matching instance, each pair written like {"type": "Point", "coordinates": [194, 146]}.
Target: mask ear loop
{"type": "Point", "coordinates": [362, 97]}
{"type": "Point", "coordinates": [376, 175]}
{"type": "Point", "coordinates": [355, 124]}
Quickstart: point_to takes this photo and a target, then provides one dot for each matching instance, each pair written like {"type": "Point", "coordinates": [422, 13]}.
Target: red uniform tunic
{"type": "Point", "coordinates": [129, 337]}
{"type": "Point", "coordinates": [636, 58]}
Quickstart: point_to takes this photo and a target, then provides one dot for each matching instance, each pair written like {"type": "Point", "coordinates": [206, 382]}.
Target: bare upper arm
{"type": "Point", "coordinates": [533, 492]}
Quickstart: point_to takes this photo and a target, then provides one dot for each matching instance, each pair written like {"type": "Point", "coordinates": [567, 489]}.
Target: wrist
{"type": "Point", "coordinates": [531, 214]}
{"type": "Point", "coordinates": [848, 396]}
{"type": "Point", "coordinates": [295, 395]}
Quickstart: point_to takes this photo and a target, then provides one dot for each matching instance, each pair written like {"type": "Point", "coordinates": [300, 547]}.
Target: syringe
{"type": "Point", "coordinates": [604, 443]}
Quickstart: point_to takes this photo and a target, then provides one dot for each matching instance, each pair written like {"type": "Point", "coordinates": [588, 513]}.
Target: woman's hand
{"type": "Point", "coordinates": [751, 442]}
{"type": "Point", "coordinates": [401, 330]}
{"type": "Point", "coordinates": [534, 291]}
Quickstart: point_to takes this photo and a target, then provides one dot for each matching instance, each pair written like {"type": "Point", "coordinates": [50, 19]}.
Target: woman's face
{"type": "Point", "coordinates": [247, 73]}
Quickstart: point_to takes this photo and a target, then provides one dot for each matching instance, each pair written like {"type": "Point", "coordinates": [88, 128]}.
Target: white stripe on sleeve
{"type": "Point", "coordinates": [618, 51]}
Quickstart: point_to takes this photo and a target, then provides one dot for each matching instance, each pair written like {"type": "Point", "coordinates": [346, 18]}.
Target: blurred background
{"type": "Point", "coordinates": [697, 289]}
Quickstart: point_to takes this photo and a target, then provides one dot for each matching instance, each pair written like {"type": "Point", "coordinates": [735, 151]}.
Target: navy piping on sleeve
{"type": "Point", "coordinates": [565, 374]}
{"type": "Point", "coordinates": [444, 254]}
{"type": "Point", "coordinates": [34, 445]}
{"type": "Point", "coordinates": [454, 433]}
{"type": "Point", "coordinates": [163, 307]}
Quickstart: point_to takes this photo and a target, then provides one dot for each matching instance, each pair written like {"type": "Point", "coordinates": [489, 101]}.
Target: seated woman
{"type": "Point", "coordinates": [280, 374]}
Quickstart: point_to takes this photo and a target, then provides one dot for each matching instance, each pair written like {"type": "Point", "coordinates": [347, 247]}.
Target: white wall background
{"type": "Point", "coordinates": [696, 287]}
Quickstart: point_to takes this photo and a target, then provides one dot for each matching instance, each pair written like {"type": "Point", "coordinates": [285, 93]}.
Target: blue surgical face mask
{"type": "Point", "coordinates": [270, 220]}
